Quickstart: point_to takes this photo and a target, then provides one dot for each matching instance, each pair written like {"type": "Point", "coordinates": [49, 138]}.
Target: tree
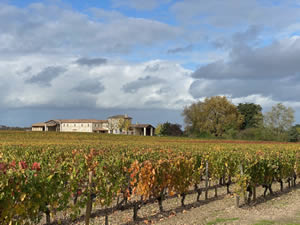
{"type": "Point", "coordinates": [279, 119]}
{"type": "Point", "coordinates": [124, 125]}
{"type": "Point", "coordinates": [158, 129]}
{"type": "Point", "coordinates": [253, 117]}
{"type": "Point", "coordinates": [293, 134]}
{"type": "Point", "coordinates": [169, 129]}
{"type": "Point", "coordinates": [215, 115]}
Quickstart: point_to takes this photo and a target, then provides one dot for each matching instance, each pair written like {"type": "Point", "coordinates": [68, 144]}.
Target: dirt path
{"type": "Point", "coordinates": [282, 208]}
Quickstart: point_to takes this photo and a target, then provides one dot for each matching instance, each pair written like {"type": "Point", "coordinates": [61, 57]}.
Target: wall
{"type": "Point", "coordinates": [37, 128]}
{"type": "Point", "coordinates": [76, 127]}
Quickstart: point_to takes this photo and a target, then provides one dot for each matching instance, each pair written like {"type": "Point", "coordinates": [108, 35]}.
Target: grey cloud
{"type": "Point", "coordinates": [90, 86]}
{"type": "Point", "coordinates": [251, 34]}
{"type": "Point", "coordinates": [180, 49]}
{"type": "Point", "coordinates": [48, 74]}
{"type": "Point", "coordinates": [278, 90]}
{"type": "Point", "coordinates": [147, 81]}
{"type": "Point", "coordinates": [91, 62]}
{"type": "Point", "coordinates": [140, 5]}
{"type": "Point", "coordinates": [278, 60]}
{"type": "Point", "coordinates": [153, 68]}
{"type": "Point", "coordinates": [272, 71]}
{"type": "Point", "coordinates": [247, 37]}
{"type": "Point", "coordinates": [236, 13]}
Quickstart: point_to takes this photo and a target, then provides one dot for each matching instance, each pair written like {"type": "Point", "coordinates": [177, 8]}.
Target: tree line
{"type": "Point", "coordinates": [217, 117]}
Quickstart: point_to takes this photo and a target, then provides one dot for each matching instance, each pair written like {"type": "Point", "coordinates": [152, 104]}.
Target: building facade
{"type": "Point", "coordinates": [119, 124]}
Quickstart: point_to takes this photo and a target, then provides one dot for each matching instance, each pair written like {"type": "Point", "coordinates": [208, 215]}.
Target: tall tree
{"type": "Point", "coordinates": [253, 117]}
{"type": "Point", "coordinates": [280, 118]}
{"type": "Point", "coordinates": [171, 129]}
{"type": "Point", "coordinates": [215, 115]}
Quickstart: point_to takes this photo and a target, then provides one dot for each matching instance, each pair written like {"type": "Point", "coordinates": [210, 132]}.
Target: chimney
{"type": "Point", "coordinates": [126, 116]}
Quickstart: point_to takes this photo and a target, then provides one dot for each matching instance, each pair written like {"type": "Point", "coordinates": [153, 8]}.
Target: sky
{"type": "Point", "coordinates": [70, 59]}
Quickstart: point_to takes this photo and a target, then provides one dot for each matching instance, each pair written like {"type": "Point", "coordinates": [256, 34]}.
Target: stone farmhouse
{"type": "Point", "coordinates": [119, 124]}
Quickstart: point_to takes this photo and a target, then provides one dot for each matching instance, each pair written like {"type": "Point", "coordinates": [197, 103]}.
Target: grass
{"type": "Point", "coordinates": [221, 220]}
{"type": "Point", "coordinates": [264, 222]}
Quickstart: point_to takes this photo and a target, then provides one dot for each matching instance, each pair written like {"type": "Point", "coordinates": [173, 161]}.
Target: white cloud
{"type": "Point", "coordinates": [95, 87]}
{"type": "Point", "coordinates": [41, 28]}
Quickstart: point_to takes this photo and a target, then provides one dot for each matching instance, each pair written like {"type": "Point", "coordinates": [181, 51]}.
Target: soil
{"type": "Point", "coordinates": [280, 208]}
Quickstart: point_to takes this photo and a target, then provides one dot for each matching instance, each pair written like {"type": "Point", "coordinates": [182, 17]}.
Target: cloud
{"type": "Point", "coordinates": [48, 74]}
{"type": "Point", "coordinates": [90, 86]}
{"type": "Point", "coordinates": [278, 60]}
{"type": "Point", "coordinates": [109, 86]}
{"type": "Point", "coordinates": [49, 29]}
{"type": "Point", "coordinates": [270, 71]}
{"type": "Point", "coordinates": [140, 83]}
{"type": "Point", "coordinates": [91, 62]}
{"type": "Point", "coordinates": [234, 13]}
{"type": "Point", "coordinates": [239, 39]}
{"type": "Point", "coordinates": [139, 5]}
{"type": "Point", "coordinates": [180, 49]}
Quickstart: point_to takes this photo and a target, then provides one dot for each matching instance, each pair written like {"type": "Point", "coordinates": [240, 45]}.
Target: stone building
{"type": "Point", "coordinates": [119, 124]}
{"type": "Point", "coordinates": [80, 125]}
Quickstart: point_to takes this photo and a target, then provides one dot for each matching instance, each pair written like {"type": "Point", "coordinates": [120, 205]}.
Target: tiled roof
{"type": "Point", "coordinates": [100, 129]}
{"type": "Point", "coordinates": [83, 121]}
{"type": "Point", "coordinates": [140, 125]}
{"type": "Point", "coordinates": [38, 124]}
{"type": "Point", "coordinates": [119, 116]}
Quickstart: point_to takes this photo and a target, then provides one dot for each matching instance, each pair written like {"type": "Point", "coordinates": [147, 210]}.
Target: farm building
{"type": "Point", "coordinates": [119, 124]}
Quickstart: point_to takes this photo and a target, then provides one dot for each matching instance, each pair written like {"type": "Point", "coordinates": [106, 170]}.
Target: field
{"type": "Point", "coordinates": [69, 178]}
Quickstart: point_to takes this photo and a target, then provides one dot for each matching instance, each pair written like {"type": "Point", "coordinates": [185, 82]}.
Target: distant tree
{"type": "Point", "coordinates": [124, 125]}
{"type": "Point", "coordinates": [169, 129]}
{"type": "Point", "coordinates": [280, 119]}
{"type": "Point", "coordinates": [297, 126]}
{"type": "Point", "coordinates": [215, 115]}
{"type": "Point", "coordinates": [293, 134]}
{"type": "Point", "coordinates": [158, 129]}
{"type": "Point", "coordinates": [253, 117]}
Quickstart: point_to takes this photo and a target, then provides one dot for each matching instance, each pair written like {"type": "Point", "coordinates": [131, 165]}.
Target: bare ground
{"type": "Point", "coordinates": [281, 208]}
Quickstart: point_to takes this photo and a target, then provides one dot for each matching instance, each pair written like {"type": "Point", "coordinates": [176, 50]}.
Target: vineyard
{"type": "Point", "coordinates": [45, 174]}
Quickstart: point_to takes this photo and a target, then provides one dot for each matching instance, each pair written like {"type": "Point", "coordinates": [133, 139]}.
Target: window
{"type": "Point", "coordinates": [82, 125]}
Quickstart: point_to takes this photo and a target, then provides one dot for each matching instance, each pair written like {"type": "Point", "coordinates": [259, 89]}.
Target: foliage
{"type": "Point", "coordinates": [169, 129]}
{"type": "Point", "coordinates": [293, 134]}
{"type": "Point", "coordinates": [124, 125]}
{"type": "Point", "coordinates": [158, 129]}
{"type": "Point", "coordinates": [253, 117]}
{"type": "Point", "coordinates": [50, 172]}
{"type": "Point", "coordinates": [279, 119]}
{"type": "Point", "coordinates": [215, 115]}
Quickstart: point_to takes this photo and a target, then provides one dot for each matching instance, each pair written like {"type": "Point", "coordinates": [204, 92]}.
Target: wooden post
{"type": "Point", "coordinates": [254, 193]}
{"type": "Point", "coordinates": [89, 203]}
{"type": "Point", "coordinates": [206, 180]}
{"type": "Point", "coordinates": [216, 189]}
{"type": "Point", "coordinates": [237, 197]}
{"type": "Point", "coordinates": [237, 201]}
{"type": "Point", "coordinates": [242, 173]}
{"type": "Point", "coordinates": [48, 219]}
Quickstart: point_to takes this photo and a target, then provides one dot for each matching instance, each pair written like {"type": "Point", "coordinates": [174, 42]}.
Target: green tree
{"type": "Point", "coordinates": [158, 129]}
{"type": "Point", "coordinates": [171, 129]}
{"type": "Point", "coordinates": [124, 125]}
{"type": "Point", "coordinates": [280, 119]}
{"type": "Point", "coordinates": [293, 134]}
{"type": "Point", "coordinates": [215, 115]}
{"type": "Point", "coordinates": [253, 117]}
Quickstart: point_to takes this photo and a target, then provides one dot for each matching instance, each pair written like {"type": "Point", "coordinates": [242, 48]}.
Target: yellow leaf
{"type": "Point", "coordinates": [23, 196]}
